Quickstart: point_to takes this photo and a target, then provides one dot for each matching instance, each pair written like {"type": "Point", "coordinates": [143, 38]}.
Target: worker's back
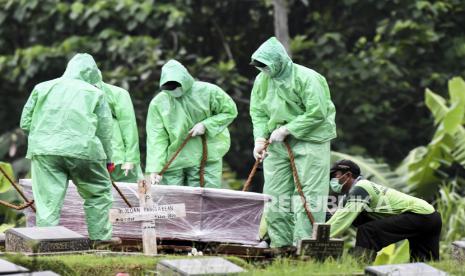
{"type": "Point", "coordinates": [68, 116]}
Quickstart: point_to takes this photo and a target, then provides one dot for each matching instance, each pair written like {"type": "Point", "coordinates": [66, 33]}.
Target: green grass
{"type": "Point", "coordinates": [139, 265]}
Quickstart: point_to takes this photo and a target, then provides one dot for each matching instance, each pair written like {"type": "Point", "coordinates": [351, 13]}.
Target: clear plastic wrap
{"type": "Point", "coordinates": [212, 215]}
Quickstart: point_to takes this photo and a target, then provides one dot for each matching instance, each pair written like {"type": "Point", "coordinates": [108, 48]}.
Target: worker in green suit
{"type": "Point", "coordinates": [291, 103]}
{"type": "Point", "coordinates": [125, 142]}
{"type": "Point", "coordinates": [186, 106]}
{"type": "Point", "coordinates": [69, 128]}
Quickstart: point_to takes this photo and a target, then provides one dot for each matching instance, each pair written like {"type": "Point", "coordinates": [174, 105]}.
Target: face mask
{"type": "Point", "coordinates": [335, 186]}
{"type": "Point", "coordinates": [175, 92]}
{"type": "Point", "coordinates": [265, 70]}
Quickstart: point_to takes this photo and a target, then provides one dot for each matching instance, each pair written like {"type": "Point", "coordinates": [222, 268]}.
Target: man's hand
{"type": "Point", "coordinates": [259, 151]}
{"type": "Point", "coordinates": [126, 167]}
{"type": "Point", "coordinates": [155, 178]}
{"type": "Point", "coordinates": [198, 129]}
{"type": "Point", "coordinates": [279, 134]}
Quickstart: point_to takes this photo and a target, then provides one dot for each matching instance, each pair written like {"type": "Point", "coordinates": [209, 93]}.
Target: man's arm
{"type": "Point", "coordinates": [259, 117]}
{"type": "Point", "coordinates": [124, 112]}
{"type": "Point", "coordinates": [157, 141]}
{"type": "Point", "coordinates": [315, 97]}
{"type": "Point", "coordinates": [224, 110]}
{"type": "Point", "coordinates": [357, 200]}
{"type": "Point", "coordinates": [104, 126]}
{"type": "Point", "coordinates": [28, 111]}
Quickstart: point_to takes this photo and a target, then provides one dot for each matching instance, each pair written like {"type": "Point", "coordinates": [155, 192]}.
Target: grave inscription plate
{"type": "Point", "coordinates": [44, 239]}
{"type": "Point", "coordinates": [320, 246]}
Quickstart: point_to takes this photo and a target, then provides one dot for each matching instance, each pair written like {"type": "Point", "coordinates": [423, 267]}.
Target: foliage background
{"type": "Point", "coordinates": [378, 57]}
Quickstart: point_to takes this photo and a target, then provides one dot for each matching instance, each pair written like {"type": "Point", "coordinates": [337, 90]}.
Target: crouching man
{"type": "Point", "coordinates": [383, 215]}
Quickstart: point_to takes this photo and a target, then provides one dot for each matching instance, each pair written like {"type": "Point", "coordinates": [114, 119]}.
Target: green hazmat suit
{"type": "Point", "coordinates": [125, 141]}
{"type": "Point", "coordinates": [169, 120]}
{"type": "Point", "coordinates": [297, 98]}
{"type": "Point", "coordinates": [69, 128]}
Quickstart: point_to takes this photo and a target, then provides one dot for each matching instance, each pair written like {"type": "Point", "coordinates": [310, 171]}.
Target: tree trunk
{"type": "Point", "coordinates": [281, 28]}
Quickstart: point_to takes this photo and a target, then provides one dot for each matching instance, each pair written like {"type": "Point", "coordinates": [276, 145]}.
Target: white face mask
{"type": "Point", "coordinates": [335, 186]}
{"type": "Point", "coordinates": [175, 92]}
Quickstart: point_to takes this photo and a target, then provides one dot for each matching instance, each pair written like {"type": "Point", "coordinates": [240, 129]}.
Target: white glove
{"type": "Point", "coordinates": [198, 129]}
{"type": "Point", "coordinates": [126, 167]}
{"type": "Point", "coordinates": [259, 151]}
{"type": "Point", "coordinates": [278, 135]}
{"type": "Point", "coordinates": [155, 178]}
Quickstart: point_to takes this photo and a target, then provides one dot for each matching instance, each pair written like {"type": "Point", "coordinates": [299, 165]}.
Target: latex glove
{"type": "Point", "coordinates": [259, 151]}
{"type": "Point", "coordinates": [110, 167]}
{"type": "Point", "coordinates": [198, 129]}
{"type": "Point", "coordinates": [155, 178]}
{"type": "Point", "coordinates": [278, 135]}
{"type": "Point", "coordinates": [126, 167]}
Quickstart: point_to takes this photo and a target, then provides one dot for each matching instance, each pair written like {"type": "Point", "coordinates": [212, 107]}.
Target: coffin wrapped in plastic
{"type": "Point", "coordinates": [212, 215]}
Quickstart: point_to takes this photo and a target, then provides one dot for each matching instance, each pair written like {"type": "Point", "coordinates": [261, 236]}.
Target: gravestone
{"type": "Point", "coordinates": [9, 268]}
{"type": "Point", "coordinates": [2, 239]}
{"type": "Point", "coordinates": [320, 246]}
{"type": "Point", "coordinates": [44, 239]}
{"type": "Point", "coordinates": [458, 251]}
{"type": "Point", "coordinates": [412, 269]}
{"type": "Point", "coordinates": [38, 273]}
{"type": "Point", "coordinates": [198, 266]}
{"type": "Point", "coordinates": [147, 213]}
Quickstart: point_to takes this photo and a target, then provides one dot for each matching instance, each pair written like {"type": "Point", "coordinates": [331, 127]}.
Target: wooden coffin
{"type": "Point", "coordinates": [212, 215]}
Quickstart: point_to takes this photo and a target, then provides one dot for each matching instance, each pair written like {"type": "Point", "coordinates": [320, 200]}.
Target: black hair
{"type": "Point", "coordinates": [345, 165]}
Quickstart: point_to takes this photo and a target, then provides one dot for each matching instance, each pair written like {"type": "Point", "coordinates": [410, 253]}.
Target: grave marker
{"type": "Point", "coordinates": [458, 251]}
{"type": "Point", "coordinates": [320, 246]}
{"type": "Point", "coordinates": [44, 239]}
{"type": "Point", "coordinates": [9, 268]}
{"type": "Point", "coordinates": [412, 269]}
{"type": "Point", "coordinates": [198, 266]}
{"type": "Point", "coordinates": [147, 212]}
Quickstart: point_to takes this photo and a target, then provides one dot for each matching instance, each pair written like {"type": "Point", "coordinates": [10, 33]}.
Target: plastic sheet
{"type": "Point", "coordinates": [212, 215]}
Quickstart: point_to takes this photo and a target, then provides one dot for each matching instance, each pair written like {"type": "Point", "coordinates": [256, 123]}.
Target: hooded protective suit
{"type": "Point", "coordinates": [297, 98]}
{"type": "Point", "coordinates": [170, 118]}
{"type": "Point", "coordinates": [125, 141]}
{"type": "Point", "coordinates": [70, 128]}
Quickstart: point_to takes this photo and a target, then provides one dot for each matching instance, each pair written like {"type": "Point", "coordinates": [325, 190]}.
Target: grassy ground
{"type": "Point", "coordinates": [138, 265]}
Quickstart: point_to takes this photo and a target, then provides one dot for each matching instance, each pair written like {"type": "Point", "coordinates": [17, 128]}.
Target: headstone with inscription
{"type": "Point", "coordinates": [320, 246]}
{"type": "Point", "coordinates": [44, 239]}
{"type": "Point", "coordinates": [412, 269]}
{"type": "Point", "coordinates": [458, 251]}
{"type": "Point", "coordinates": [198, 266]}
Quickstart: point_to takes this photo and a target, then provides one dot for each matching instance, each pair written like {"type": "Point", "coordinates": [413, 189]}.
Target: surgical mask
{"type": "Point", "coordinates": [177, 92]}
{"type": "Point", "coordinates": [265, 70]}
{"type": "Point", "coordinates": [335, 186]}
